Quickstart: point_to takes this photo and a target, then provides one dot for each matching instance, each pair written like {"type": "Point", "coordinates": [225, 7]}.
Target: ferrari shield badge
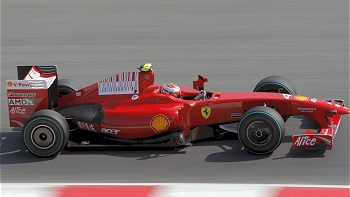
{"type": "Point", "coordinates": [206, 112]}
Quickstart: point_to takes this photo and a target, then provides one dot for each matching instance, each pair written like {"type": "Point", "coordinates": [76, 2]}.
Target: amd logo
{"type": "Point", "coordinates": [21, 101]}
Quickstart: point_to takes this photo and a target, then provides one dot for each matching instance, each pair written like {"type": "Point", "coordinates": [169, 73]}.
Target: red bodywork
{"type": "Point", "coordinates": [133, 108]}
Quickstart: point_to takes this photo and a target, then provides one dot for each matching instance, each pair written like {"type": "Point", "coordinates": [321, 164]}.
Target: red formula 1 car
{"type": "Point", "coordinates": [128, 109]}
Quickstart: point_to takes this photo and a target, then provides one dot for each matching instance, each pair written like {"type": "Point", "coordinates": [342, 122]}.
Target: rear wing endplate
{"type": "Point", "coordinates": [36, 88]}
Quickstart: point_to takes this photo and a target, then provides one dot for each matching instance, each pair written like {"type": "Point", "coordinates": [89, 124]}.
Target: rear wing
{"type": "Point", "coordinates": [36, 88]}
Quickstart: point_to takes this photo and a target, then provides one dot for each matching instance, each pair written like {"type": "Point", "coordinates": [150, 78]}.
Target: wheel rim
{"type": "Point", "coordinates": [259, 133]}
{"type": "Point", "coordinates": [43, 137]}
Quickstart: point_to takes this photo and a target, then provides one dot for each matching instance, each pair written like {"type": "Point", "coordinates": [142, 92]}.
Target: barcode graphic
{"type": "Point", "coordinates": [124, 83]}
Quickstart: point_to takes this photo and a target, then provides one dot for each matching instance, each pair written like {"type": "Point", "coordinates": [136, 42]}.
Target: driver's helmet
{"type": "Point", "coordinates": [171, 89]}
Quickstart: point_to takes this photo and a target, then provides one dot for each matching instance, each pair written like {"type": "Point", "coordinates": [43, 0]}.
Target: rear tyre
{"type": "Point", "coordinates": [261, 130]}
{"type": "Point", "coordinates": [67, 86]}
{"type": "Point", "coordinates": [45, 133]}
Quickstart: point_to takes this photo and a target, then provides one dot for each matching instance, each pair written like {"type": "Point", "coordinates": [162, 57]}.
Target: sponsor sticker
{"type": "Point", "coordinates": [21, 101]}
{"type": "Point", "coordinates": [206, 111]}
{"type": "Point", "coordinates": [236, 115]}
{"type": "Point", "coordinates": [160, 123]}
{"type": "Point", "coordinates": [305, 141]}
{"type": "Point", "coordinates": [109, 131]}
{"type": "Point", "coordinates": [134, 97]}
{"type": "Point", "coordinates": [301, 98]}
{"type": "Point", "coordinates": [314, 100]}
{"type": "Point", "coordinates": [26, 84]}
{"type": "Point", "coordinates": [310, 141]}
{"type": "Point", "coordinates": [86, 126]}
{"type": "Point", "coordinates": [124, 83]}
{"type": "Point", "coordinates": [21, 94]}
{"type": "Point", "coordinates": [17, 110]}
{"type": "Point", "coordinates": [287, 96]}
{"type": "Point", "coordinates": [22, 84]}
{"type": "Point", "coordinates": [306, 109]}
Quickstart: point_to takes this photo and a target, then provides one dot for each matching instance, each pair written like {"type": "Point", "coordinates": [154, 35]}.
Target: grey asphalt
{"type": "Point", "coordinates": [234, 43]}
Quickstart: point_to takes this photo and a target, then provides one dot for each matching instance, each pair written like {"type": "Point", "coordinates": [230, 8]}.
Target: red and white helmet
{"type": "Point", "coordinates": [171, 89]}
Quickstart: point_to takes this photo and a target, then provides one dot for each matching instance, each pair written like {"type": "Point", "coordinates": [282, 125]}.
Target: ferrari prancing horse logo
{"type": "Point", "coordinates": [206, 112]}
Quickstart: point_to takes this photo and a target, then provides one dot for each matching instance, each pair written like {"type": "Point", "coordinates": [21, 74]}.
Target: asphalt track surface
{"type": "Point", "coordinates": [234, 43]}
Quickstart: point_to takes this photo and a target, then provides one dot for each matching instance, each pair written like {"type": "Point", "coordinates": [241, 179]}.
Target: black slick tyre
{"type": "Point", "coordinates": [261, 130]}
{"type": "Point", "coordinates": [275, 84]}
{"type": "Point", "coordinates": [45, 133]}
{"type": "Point", "coordinates": [67, 86]}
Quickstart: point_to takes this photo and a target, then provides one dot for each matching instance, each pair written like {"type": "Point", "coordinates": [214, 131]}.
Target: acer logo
{"type": "Point", "coordinates": [110, 131]}
{"type": "Point", "coordinates": [305, 141]}
{"type": "Point", "coordinates": [18, 110]}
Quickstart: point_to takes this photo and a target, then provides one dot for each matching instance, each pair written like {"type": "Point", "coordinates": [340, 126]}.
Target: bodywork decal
{"type": "Point", "coordinates": [21, 101]}
{"type": "Point", "coordinates": [301, 98]}
{"type": "Point", "coordinates": [124, 83]}
{"type": "Point", "coordinates": [287, 96]}
{"type": "Point", "coordinates": [160, 123]}
{"type": "Point", "coordinates": [206, 111]}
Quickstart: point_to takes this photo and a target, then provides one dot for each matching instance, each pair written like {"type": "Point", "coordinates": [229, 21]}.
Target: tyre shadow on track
{"type": "Point", "coordinates": [232, 151]}
{"type": "Point", "coordinates": [12, 150]}
{"type": "Point", "coordinates": [305, 124]}
{"type": "Point", "coordinates": [300, 153]}
{"type": "Point", "coordinates": [139, 153]}
{"type": "Point", "coordinates": [236, 154]}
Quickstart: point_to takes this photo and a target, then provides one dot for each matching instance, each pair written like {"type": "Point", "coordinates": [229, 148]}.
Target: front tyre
{"type": "Point", "coordinates": [276, 84]}
{"type": "Point", "coordinates": [261, 130]}
{"type": "Point", "coordinates": [45, 133]}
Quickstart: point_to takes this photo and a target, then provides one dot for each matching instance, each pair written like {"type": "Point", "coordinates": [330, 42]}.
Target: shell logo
{"type": "Point", "coordinates": [160, 123]}
{"type": "Point", "coordinates": [9, 84]}
{"type": "Point", "coordinates": [301, 98]}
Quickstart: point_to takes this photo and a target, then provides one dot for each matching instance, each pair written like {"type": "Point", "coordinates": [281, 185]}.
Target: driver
{"type": "Point", "coordinates": [171, 89]}
{"type": "Point", "coordinates": [175, 91]}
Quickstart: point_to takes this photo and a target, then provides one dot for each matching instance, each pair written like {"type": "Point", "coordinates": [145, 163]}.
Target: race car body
{"type": "Point", "coordinates": [128, 109]}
